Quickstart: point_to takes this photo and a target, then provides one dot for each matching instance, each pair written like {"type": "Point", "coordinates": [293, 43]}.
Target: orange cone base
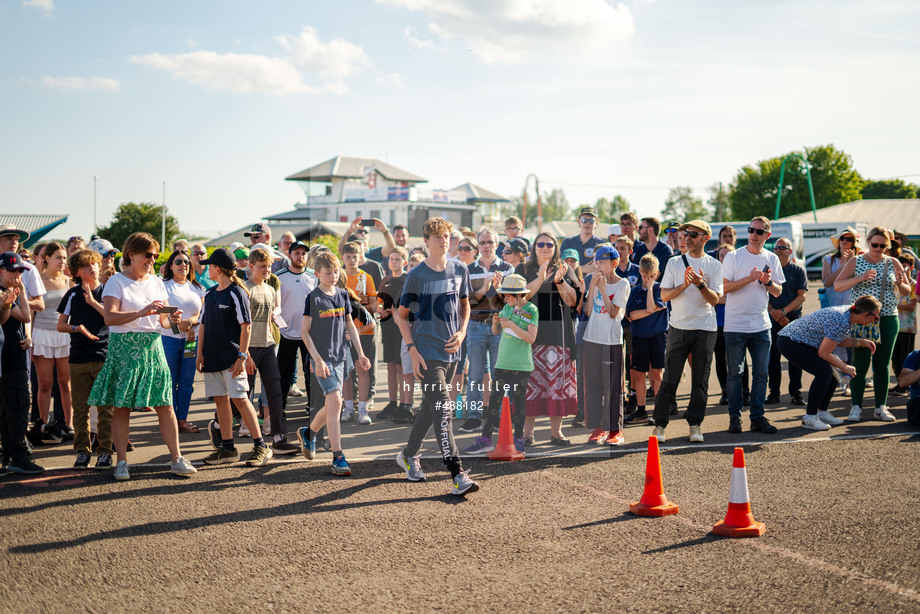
{"type": "Point", "coordinates": [643, 509]}
{"type": "Point", "coordinates": [505, 455]}
{"type": "Point", "coordinates": [755, 530]}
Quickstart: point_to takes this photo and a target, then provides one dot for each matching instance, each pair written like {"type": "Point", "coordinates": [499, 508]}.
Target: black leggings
{"type": "Point", "coordinates": [806, 358]}
{"type": "Point", "coordinates": [515, 384]}
{"type": "Point", "coordinates": [435, 409]}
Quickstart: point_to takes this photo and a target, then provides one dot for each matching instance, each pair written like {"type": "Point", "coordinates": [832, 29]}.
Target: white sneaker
{"type": "Point", "coordinates": [813, 423]}
{"type": "Point", "coordinates": [363, 418]}
{"type": "Point", "coordinates": [244, 430]}
{"type": "Point", "coordinates": [658, 433]}
{"type": "Point", "coordinates": [295, 391]}
{"type": "Point", "coordinates": [347, 415]}
{"type": "Point", "coordinates": [696, 434]}
{"type": "Point", "coordinates": [121, 471]}
{"type": "Point", "coordinates": [182, 467]}
{"type": "Point", "coordinates": [828, 418]}
{"type": "Point", "coordinates": [855, 414]}
{"type": "Point", "coordinates": [882, 413]}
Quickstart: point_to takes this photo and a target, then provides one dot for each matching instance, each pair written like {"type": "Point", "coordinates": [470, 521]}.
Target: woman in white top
{"type": "Point", "coordinates": [52, 348]}
{"type": "Point", "coordinates": [184, 292]}
{"type": "Point", "coordinates": [135, 373]}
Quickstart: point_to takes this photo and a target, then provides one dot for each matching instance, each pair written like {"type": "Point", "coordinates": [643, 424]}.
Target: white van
{"type": "Point", "coordinates": [818, 242]}
{"type": "Point", "coordinates": [791, 230]}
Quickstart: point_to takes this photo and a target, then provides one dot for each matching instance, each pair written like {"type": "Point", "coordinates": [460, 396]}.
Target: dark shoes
{"type": "Point", "coordinates": [637, 417]}
{"type": "Point", "coordinates": [471, 425]}
{"type": "Point", "coordinates": [403, 414]}
{"type": "Point", "coordinates": [797, 399]}
{"type": "Point", "coordinates": [762, 425]}
{"type": "Point", "coordinates": [773, 399]}
{"type": "Point", "coordinates": [387, 412]}
{"type": "Point", "coordinates": [560, 441]}
{"type": "Point", "coordinates": [734, 424]}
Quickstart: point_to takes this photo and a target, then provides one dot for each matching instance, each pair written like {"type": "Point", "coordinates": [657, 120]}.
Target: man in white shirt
{"type": "Point", "coordinates": [693, 284]}
{"type": "Point", "coordinates": [296, 284]}
{"type": "Point", "coordinates": [10, 237]}
{"type": "Point", "coordinates": [750, 276]}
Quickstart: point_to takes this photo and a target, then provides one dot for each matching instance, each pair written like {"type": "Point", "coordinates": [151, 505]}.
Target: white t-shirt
{"type": "Point", "coordinates": [186, 297]}
{"type": "Point", "coordinates": [135, 295]}
{"type": "Point", "coordinates": [746, 309]}
{"type": "Point", "coordinates": [32, 281]}
{"type": "Point", "coordinates": [294, 290]}
{"type": "Point", "coordinates": [601, 327]}
{"type": "Point", "coordinates": [689, 310]}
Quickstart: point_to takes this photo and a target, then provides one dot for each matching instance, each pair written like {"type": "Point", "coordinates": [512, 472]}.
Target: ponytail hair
{"type": "Point", "coordinates": [233, 278]}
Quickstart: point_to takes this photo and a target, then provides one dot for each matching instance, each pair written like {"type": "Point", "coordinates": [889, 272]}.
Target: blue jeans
{"type": "Point", "coordinates": [481, 344]}
{"type": "Point", "coordinates": [182, 371]}
{"type": "Point", "coordinates": [758, 345]}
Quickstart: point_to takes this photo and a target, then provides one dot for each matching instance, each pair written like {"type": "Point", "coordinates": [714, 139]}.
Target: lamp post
{"type": "Point", "coordinates": [163, 220]}
{"type": "Point", "coordinates": [539, 203]}
{"type": "Point", "coordinates": [95, 225]}
{"type": "Point", "coordinates": [779, 189]}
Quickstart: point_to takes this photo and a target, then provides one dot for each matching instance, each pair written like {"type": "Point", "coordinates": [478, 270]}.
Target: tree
{"type": "Point", "coordinates": [555, 208]}
{"type": "Point", "coordinates": [681, 206]}
{"type": "Point", "coordinates": [889, 188]}
{"type": "Point", "coordinates": [609, 211]}
{"type": "Point", "coordinates": [139, 217]}
{"type": "Point", "coordinates": [835, 181]}
{"type": "Point", "coordinates": [718, 201]}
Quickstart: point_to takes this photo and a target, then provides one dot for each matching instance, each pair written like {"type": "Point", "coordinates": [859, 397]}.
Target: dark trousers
{"type": "Point", "coordinates": [806, 358]}
{"type": "Point", "coordinates": [580, 381]}
{"type": "Point", "coordinates": [514, 385]}
{"type": "Point", "coordinates": [604, 395]}
{"type": "Point", "coordinates": [14, 414]}
{"type": "Point", "coordinates": [775, 372]}
{"type": "Point", "coordinates": [435, 409]}
{"type": "Point", "coordinates": [267, 365]}
{"type": "Point", "coordinates": [287, 367]}
{"type": "Point", "coordinates": [681, 344]}
{"type": "Point", "coordinates": [721, 362]}
{"type": "Point", "coordinates": [903, 346]}
{"type": "Point", "coordinates": [913, 412]}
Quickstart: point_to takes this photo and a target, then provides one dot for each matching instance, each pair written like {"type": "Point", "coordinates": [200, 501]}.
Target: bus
{"type": "Point", "coordinates": [791, 229]}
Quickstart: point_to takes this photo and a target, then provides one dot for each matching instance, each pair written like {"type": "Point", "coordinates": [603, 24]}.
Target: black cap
{"type": "Point", "coordinates": [517, 244]}
{"type": "Point", "coordinates": [11, 261]}
{"type": "Point", "coordinates": [297, 244]}
{"type": "Point", "coordinates": [221, 257]}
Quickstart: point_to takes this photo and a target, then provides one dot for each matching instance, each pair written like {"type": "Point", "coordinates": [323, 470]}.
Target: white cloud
{"type": "Point", "coordinates": [395, 80]}
{"type": "Point", "coordinates": [45, 6]}
{"type": "Point", "coordinates": [512, 31]}
{"type": "Point", "coordinates": [91, 84]}
{"type": "Point", "coordinates": [417, 43]}
{"type": "Point", "coordinates": [244, 73]}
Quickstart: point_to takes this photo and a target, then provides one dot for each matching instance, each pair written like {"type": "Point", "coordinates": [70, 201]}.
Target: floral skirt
{"type": "Point", "coordinates": [135, 373]}
{"type": "Point", "coordinates": [551, 389]}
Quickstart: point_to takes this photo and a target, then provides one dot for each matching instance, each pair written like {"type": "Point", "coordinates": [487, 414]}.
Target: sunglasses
{"type": "Point", "coordinates": [875, 316]}
{"type": "Point", "coordinates": [757, 231]}
{"type": "Point", "coordinates": [670, 230]}
{"type": "Point", "coordinates": [72, 239]}
{"type": "Point", "coordinates": [781, 248]}
{"type": "Point", "coordinates": [196, 253]}
{"type": "Point", "coordinates": [692, 233]}
{"type": "Point", "coordinates": [587, 220]}
{"type": "Point", "coordinates": [545, 244]}
{"type": "Point", "coordinates": [487, 242]}
{"type": "Point", "coordinates": [153, 255]}
{"type": "Point", "coordinates": [848, 239]}
{"type": "Point", "coordinates": [879, 245]}
{"type": "Point", "coordinates": [512, 228]}
{"type": "Point", "coordinates": [111, 253]}
{"type": "Point", "coordinates": [180, 262]}
{"type": "Point", "coordinates": [465, 248]}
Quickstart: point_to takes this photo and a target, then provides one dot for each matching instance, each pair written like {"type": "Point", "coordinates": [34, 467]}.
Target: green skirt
{"type": "Point", "coordinates": [135, 373]}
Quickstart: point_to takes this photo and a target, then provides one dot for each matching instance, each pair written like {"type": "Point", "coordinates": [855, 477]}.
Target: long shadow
{"type": "Point", "coordinates": [685, 544]}
{"type": "Point", "coordinates": [625, 516]}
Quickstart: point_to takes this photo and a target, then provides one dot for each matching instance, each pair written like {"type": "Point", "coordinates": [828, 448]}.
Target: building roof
{"type": "Point", "coordinates": [346, 167]}
{"type": "Point", "coordinates": [37, 225]}
{"type": "Point", "coordinates": [897, 214]}
{"type": "Point", "coordinates": [475, 192]}
{"type": "Point", "coordinates": [300, 229]}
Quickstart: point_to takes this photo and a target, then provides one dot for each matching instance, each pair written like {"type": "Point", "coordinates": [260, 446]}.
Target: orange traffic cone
{"type": "Point", "coordinates": [505, 450]}
{"type": "Point", "coordinates": [653, 502]}
{"type": "Point", "coordinates": [739, 522]}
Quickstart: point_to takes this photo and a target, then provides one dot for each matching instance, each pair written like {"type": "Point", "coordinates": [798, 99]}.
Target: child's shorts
{"type": "Point", "coordinates": [648, 352]}
{"type": "Point", "coordinates": [223, 384]}
{"type": "Point", "coordinates": [333, 383]}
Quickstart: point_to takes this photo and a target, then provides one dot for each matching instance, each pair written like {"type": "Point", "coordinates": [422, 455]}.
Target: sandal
{"type": "Point", "coordinates": [188, 427]}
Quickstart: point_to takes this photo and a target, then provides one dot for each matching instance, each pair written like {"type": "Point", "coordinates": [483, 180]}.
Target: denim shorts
{"type": "Point", "coordinates": [333, 383]}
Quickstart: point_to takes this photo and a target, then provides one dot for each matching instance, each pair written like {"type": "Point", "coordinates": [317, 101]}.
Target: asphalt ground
{"type": "Point", "coordinates": [550, 533]}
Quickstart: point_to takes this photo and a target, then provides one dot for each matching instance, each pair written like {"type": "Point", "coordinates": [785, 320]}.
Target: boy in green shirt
{"type": "Point", "coordinates": [517, 322]}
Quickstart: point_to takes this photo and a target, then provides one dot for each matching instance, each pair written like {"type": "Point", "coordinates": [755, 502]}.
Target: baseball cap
{"type": "Point", "coordinates": [240, 253]}
{"type": "Point", "coordinates": [606, 252]}
{"type": "Point", "coordinates": [101, 247]}
{"type": "Point", "coordinates": [221, 257]}
{"type": "Point", "coordinates": [297, 244]}
{"type": "Point", "coordinates": [698, 224]}
{"type": "Point", "coordinates": [570, 253]}
{"type": "Point", "coordinates": [614, 229]}
{"type": "Point", "coordinates": [672, 227]}
{"type": "Point", "coordinates": [267, 248]}
{"type": "Point", "coordinates": [515, 245]}
{"type": "Point", "coordinates": [11, 261]}
{"type": "Point", "coordinates": [588, 211]}
{"type": "Point", "coordinates": [257, 229]}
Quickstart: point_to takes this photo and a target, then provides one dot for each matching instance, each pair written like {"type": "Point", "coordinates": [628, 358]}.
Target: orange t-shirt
{"type": "Point", "coordinates": [363, 284]}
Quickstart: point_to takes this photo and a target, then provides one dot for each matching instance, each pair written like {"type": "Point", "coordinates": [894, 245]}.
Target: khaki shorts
{"type": "Point", "coordinates": [223, 384]}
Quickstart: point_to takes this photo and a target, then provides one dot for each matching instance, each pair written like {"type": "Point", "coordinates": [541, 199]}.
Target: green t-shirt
{"type": "Point", "coordinates": [515, 354]}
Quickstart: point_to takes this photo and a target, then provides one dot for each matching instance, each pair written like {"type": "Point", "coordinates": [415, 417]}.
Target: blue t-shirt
{"type": "Point", "coordinates": [328, 324]}
{"type": "Point", "coordinates": [662, 252]}
{"type": "Point", "coordinates": [223, 314]}
{"type": "Point", "coordinates": [585, 250]}
{"type": "Point", "coordinates": [433, 300]}
{"type": "Point", "coordinates": [831, 322]}
{"type": "Point", "coordinates": [912, 362]}
{"type": "Point", "coordinates": [649, 326]}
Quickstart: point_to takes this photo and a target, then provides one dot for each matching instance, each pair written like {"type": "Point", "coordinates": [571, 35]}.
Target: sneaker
{"type": "Point", "coordinates": [67, 433]}
{"type": "Point", "coordinates": [412, 466]}
{"type": "Point", "coordinates": [244, 430]}
{"type": "Point", "coordinates": [363, 418]}
{"type": "Point", "coordinates": [403, 414]}
{"type": "Point", "coordinates": [640, 415]}
{"type": "Point", "coordinates": [855, 414]}
{"type": "Point", "coordinates": [696, 433]}
{"type": "Point", "coordinates": [898, 391]}
{"type": "Point", "coordinates": [882, 413]}
{"type": "Point", "coordinates": [49, 434]}
{"type": "Point", "coordinates": [283, 447]}
{"type": "Point", "coordinates": [529, 441]}
{"type": "Point", "coordinates": [828, 418]}
{"type": "Point", "coordinates": [598, 435]}
{"type": "Point", "coordinates": [658, 433]}
{"type": "Point", "coordinates": [773, 399]}
{"type": "Point", "coordinates": [519, 444]}
{"type": "Point", "coordinates": [24, 466]}
{"type": "Point", "coordinates": [3, 469]}
{"type": "Point", "coordinates": [214, 434]}
{"type": "Point", "coordinates": [82, 461]}
{"type": "Point", "coordinates": [577, 423]}
{"type": "Point", "coordinates": [470, 425]}
{"type": "Point", "coordinates": [307, 442]}
{"type": "Point", "coordinates": [103, 461]}
{"type": "Point", "coordinates": [463, 485]}
{"type": "Point", "coordinates": [734, 424]}
{"type": "Point", "coordinates": [121, 471]}
{"type": "Point", "coordinates": [347, 415]}
{"type": "Point", "coordinates": [797, 399]}
{"type": "Point", "coordinates": [340, 466]}
{"type": "Point", "coordinates": [259, 456]}
{"type": "Point", "coordinates": [480, 446]}
{"type": "Point", "coordinates": [763, 425]}
{"type": "Point", "coordinates": [723, 400]}
{"type": "Point", "coordinates": [813, 423]}
{"type": "Point", "coordinates": [615, 438]}
{"type": "Point", "coordinates": [221, 456]}
{"type": "Point", "coordinates": [387, 412]}
{"type": "Point", "coordinates": [295, 391]}
{"type": "Point", "coordinates": [182, 467]}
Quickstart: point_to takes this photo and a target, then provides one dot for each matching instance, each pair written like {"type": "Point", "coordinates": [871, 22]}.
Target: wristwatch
{"type": "Point", "coordinates": [409, 346]}
{"type": "Point", "coordinates": [768, 284]}
{"type": "Point", "coordinates": [701, 285]}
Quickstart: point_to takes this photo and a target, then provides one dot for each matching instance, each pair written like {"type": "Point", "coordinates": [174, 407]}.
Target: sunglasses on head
{"type": "Point", "coordinates": [879, 245]}
{"type": "Point", "coordinates": [72, 239]}
{"type": "Point", "coordinates": [692, 233]}
{"type": "Point", "coordinates": [545, 244]}
{"type": "Point", "coordinates": [757, 231]}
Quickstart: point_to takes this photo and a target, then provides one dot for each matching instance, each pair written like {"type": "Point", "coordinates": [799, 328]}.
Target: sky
{"type": "Point", "coordinates": [224, 99]}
